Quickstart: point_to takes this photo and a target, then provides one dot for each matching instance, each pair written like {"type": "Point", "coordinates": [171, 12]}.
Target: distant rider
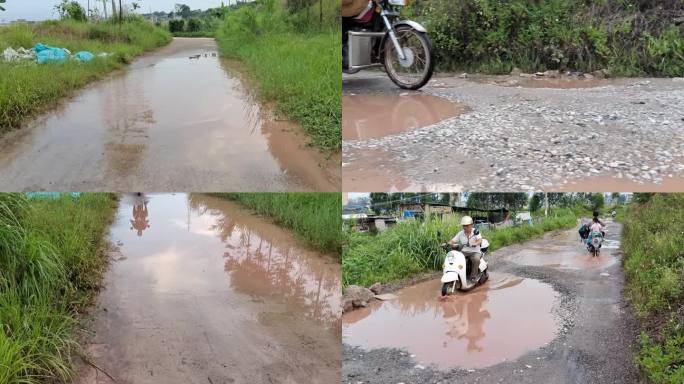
{"type": "Point", "coordinates": [470, 239]}
{"type": "Point", "coordinates": [596, 227]}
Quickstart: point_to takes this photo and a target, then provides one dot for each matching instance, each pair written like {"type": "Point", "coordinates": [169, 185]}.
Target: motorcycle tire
{"type": "Point", "coordinates": [426, 43]}
{"type": "Point", "coordinates": [485, 277]}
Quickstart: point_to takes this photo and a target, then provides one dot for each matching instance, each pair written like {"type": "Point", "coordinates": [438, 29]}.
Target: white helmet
{"type": "Point", "coordinates": [466, 220]}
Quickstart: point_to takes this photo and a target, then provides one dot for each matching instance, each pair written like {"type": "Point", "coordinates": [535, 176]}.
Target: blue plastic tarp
{"type": "Point", "coordinates": [46, 54]}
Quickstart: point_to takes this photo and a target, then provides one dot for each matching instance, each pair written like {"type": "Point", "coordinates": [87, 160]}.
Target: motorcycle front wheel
{"type": "Point", "coordinates": [419, 64]}
{"type": "Point", "coordinates": [450, 287]}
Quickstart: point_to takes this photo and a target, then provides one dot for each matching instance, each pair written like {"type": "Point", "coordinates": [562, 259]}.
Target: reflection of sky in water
{"type": "Point", "coordinates": [191, 248]}
{"type": "Point", "coordinates": [501, 320]}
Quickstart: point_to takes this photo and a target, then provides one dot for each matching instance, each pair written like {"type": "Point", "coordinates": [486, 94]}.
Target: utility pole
{"type": "Point", "coordinates": [546, 204]}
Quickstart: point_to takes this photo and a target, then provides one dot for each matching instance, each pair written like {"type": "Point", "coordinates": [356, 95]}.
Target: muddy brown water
{"type": "Point", "coordinates": [166, 122]}
{"type": "Point", "coordinates": [564, 250]}
{"type": "Point", "coordinates": [500, 320]}
{"type": "Point", "coordinates": [203, 291]}
{"type": "Point", "coordinates": [374, 116]}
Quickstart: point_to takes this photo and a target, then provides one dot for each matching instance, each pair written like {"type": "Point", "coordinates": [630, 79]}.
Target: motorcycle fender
{"type": "Point", "coordinates": [411, 24]}
{"type": "Point", "coordinates": [449, 277]}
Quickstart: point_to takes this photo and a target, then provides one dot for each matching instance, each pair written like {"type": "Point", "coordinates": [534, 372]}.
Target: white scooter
{"type": "Point", "coordinates": [456, 267]}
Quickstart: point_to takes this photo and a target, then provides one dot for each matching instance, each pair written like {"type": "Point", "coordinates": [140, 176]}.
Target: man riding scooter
{"type": "Point", "coordinates": [470, 239]}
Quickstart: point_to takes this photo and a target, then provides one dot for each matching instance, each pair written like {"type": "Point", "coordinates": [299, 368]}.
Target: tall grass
{"type": "Point", "coordinates": [298, 68]}
{"type": "Point", "coordinates": [314, 217]}
{"type": "Point", "coordinates": [412, 247]}
{"type": "Point", "coordinates": [28, 88]}
{"type": "Point", "coordinates": [653, 242]}
{"type": "Point", "coordinates": [50, 261]}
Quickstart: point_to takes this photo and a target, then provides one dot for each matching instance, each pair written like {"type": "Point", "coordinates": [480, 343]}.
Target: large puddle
{"type": "Point", "coordinates": [175, 119]}
{"type": "Point", "coordinates": [564, 250]}
{"type": "Point", "coordinates": [374, 116]}
{"type": "Point", "coordinates": [501, 320]}
{"type": "Point", "coordinates": [203, 288]}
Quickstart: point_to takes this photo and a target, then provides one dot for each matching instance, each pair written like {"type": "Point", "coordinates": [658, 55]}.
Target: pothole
{"type": "Point", "coordinates": [375, 116]}
{"type": "Point", "coordinates": [501, 320]}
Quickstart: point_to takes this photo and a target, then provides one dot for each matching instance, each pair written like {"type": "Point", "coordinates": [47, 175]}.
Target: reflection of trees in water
{"type": "Point", "coordinates": [464, 314]}
{"type": "Point", "coordinates": [268, 266]}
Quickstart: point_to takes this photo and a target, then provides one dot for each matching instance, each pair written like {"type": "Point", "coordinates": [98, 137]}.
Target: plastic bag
{"type": "Point", "coordinates": [83, 56]}
{"type": "Point", "coordinates": [46, 54]}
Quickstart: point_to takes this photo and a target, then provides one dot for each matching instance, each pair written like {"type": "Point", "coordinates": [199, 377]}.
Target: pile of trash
{"type": "Point", "coordinates": [43, 54]}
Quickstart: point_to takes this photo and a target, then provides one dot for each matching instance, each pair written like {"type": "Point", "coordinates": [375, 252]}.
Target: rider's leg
{"type": "Point", "coordinates": [346, 26]}
{"type": "Point", "coordinates": [474, 264]}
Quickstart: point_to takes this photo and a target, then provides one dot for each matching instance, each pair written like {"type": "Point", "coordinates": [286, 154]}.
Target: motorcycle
{"type": "Point", "coordinates": [594, 243]}
{"type": "Point", "coordinates": [456, 266]}
{"type": "Point", "coordinates": [378, 38]}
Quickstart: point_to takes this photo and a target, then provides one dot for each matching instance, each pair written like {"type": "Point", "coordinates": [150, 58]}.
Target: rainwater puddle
{"type": "Point", "coordinates": [542, 82]}
{"type": "Point", "coordinates": [175, 117]}
{"type": "Point", "coordinates": [501, 320]}
{"type": "Point", "coordinates": [202, 287]}
{"type": "Point", "coordinates": [374, 116]}
{"type": "Point", "coordinates": [612, 184]}
{"type": "Point", "coordinates": [563, 250]}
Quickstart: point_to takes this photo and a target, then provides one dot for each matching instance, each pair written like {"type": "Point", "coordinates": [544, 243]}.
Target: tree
{"type": "Point", "coordinates": [379, 202]}
{"type": "Point", "coordinates": [135, 5]}
{"type": "Point", "coordinates": [194, 25]}
{"type": "Point", "coordinates": [596, 201]}
{"type": "Point", "coordinates": [183, 10]}
{"type": "Point", "coordinates": [176, 25]}
{"type": "Point", "coordinates": [1, 7]}
{"type": "Point", "coordinates": [71, 10]}
{"type": "Point", "coordinates": [536, 201]}
{"type": "Point", "coordinates": [486, 200]}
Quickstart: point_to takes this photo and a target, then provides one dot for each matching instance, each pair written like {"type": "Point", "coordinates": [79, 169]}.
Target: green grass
{"type": "Point", "coordinates": [51, 261]}
{"type": "Point", "coordinates": [28, 88]}
{"type": "Point", "coordinates": [628, 38]}
{"type": "Point", "coordinates": [195, 34]}
{"type": "Point", "coordinates": [299, 70]}
{"type": "Point", "coordinates": [412, 247]}
{"type": "Point", "coordinates": [314, 217]}
{"type": "Point", "coordinates": [653, 242]}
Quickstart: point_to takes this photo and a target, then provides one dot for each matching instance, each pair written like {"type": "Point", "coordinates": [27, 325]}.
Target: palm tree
{"type": "Point", "coordinates": [2, 2]}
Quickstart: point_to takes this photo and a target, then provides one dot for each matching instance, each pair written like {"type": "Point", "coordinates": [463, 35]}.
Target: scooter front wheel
{"type": "Point", "coordinates": [450, 287]}
{"type": "Point", "coordinates": [416, 69]}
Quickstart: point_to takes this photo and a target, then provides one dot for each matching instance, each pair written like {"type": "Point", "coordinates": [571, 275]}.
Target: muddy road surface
{"type": "Point", "coordinates": [514, 133]}
{"type": "Point", "coordinates": [550, 313]}
{"type": "Point", "coordinates": [175, 119]}
{"type": "Point", "coordinates": [200, 290]}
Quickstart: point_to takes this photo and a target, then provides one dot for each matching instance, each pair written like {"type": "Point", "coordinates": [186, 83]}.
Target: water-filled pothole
{"type": "Point", "coordinates": [374, 116]}
{"type": "Point", "coordinates": [564, 250]}
{"type": "Point", "coordinates": [501, 320]}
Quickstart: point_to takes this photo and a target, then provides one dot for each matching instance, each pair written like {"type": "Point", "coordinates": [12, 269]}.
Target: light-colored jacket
{"type": "Point", "coordinates": [351, 8]}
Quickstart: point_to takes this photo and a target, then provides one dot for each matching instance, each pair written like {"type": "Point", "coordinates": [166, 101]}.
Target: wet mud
{"type": "Point", "coordinates": [201, 290]}
{"type": "Point", "coordinates": [564, 250]}
{"type": "Point", "coordinates": [501, 320]}
{"type": "Point", "coordinates": [624, 183]}
{"type": "Point", "coordinates": [375, 116]}
{"type": "Point", "coordinates": [175, 119]}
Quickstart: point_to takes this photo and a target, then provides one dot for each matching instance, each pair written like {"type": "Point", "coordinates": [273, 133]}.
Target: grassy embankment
{"type": "Point", "coordinates": [653, 242]}
{"type": "Point", "coordinates": [314, 217]}
{"type": "Point", "coordinates": [294, 61]}
{"type": "Point", "coordinates": [625, 37]}
{"type": "Point", "coordinates": [413, 247]}
{"type": "Point", "coordinates": [28, 88]}
{"type": "Point", "coordinates": [51, 262]}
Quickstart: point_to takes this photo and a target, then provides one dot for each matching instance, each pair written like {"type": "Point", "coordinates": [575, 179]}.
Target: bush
{"type": "Point", "coordinates": [177, 25]}
{"type": "Point", "coordinates": [194, 25]}
{"type": "Point", "coordinates": [71, 10]}
{"type": "Point", "coordinates": [654, 267]}
{"type": "Point", "coordinates": [497, 35]}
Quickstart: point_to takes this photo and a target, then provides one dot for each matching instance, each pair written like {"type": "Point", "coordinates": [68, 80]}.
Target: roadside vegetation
{"type": "Point", "coordinates": [653, 243]}
{"type": "Point", "coordinates": [412, 247]}
{"type": "Point", "coordinates": [624, 37]}
{"type": "Point", "coordinates": [185, 22]}
{"type": "Point", "coordinates": [51, 262]}
{"type": "Point", "coordinates": [314, 217]}
{"type": "Point", "coordinates": [291, 50]}
{"type": "Point", "coordinates": [28, 88]}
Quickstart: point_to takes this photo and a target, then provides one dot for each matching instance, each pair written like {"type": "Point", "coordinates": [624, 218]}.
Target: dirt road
{"type": "Point", "coordinates": [175, 119]}
{"type": "Point", "coordinates": [513, 133]}
{"type": "Point", "coordinates": [549, 314]}
{"type": "Point", "coordinates": [202, 291]}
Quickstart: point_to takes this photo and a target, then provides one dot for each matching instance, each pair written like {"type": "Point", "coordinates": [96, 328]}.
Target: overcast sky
{"type": "Point", "coordinates": [44, 9]}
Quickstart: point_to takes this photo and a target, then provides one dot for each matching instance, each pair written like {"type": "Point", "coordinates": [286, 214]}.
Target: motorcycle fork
{"type": "Point", "coordinates": [392, 35]}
